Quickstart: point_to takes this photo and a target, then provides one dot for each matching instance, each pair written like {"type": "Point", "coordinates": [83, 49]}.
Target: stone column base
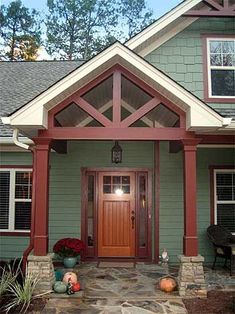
{"type": "Point", "coordinates": [43, 268]}
{"type": "Point", "coordinates": [191, 279]}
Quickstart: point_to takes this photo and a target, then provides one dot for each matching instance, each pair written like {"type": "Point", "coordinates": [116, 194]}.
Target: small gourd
{"type": "Point", "coordinates": [76, 287]}
{"type": "Point", "coordinates": [60, 287]}
{"type": "Point", "coordinates": [167, 284]}
{"type": "Point", "coordinates": [72, 276]}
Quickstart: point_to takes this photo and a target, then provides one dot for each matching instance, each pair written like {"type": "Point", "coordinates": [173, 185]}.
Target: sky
{"type": "Point", "coordinates": [159, 7]}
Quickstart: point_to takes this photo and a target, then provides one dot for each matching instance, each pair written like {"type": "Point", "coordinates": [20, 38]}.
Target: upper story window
{"type": "Point", "coordinates": [220, 69]}
{"type": "Point", "coordinates": [15, 200]}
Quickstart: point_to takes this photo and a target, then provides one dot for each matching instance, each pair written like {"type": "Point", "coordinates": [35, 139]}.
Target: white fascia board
{"type": "Point", "coordinates": [34, 113]}
{"type": "Point", "coordinates": [168, 18]}
{"type": "Point", "coordinates": [167, 36]}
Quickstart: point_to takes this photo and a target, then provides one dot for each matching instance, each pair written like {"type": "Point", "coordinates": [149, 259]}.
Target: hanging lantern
{"type": "Point", "coordinates": [116, 153]}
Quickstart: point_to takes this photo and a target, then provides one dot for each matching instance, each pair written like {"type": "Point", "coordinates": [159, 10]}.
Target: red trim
{"type": "Point", "coordinates": [15, 167]}
{"type": "Point", "coordinates": [216, 139]}
{"type": "Point", "coordinates": [117, 97]}
{"type": "Point", "coordinates": [100, 133]}
{"type": "Point", "coordinates": [151, 104]}
{"type": "Point", "coordinates": [212, 188]}
{"type": "Point", "coordinates": [41, 166]}
{"type": "Point", "coordinates": [14, 234]}
{"type": "Point", "coordinates": [190, 243]}
{"type": "Point", "coordinates": [214, 13]}
{"type": "Point", "coordinates": [207, 98]}
{"type": "Point", "coordinates": [157, 200]}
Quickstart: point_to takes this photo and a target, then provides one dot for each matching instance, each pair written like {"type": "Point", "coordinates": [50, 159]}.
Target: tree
{"type": "Point", "coordinates": [79, 28]}
{"type": "Point", "coordinates": [135, 15]}
{"type": "Point", "coordinates": [20, 32]}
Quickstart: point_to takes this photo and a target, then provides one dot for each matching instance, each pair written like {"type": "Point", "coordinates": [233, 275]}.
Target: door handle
{"type": "Point", "coordinates": [133, 219]}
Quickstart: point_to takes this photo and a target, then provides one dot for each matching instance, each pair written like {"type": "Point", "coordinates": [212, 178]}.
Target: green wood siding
{"type": "Point", "coordinates": [181, 56]}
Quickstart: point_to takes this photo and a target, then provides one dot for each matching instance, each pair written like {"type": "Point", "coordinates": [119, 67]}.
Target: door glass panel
{"type": "Point", "coordinates": [90, 210]}
{"type": "Point", "coordinates": [142, 210]}
{"type": "Point", "coordinates": [116, 185]}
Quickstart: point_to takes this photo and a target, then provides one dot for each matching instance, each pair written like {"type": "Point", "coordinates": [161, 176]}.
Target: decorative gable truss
{"type": "Point", "coordinates": [214, 8]}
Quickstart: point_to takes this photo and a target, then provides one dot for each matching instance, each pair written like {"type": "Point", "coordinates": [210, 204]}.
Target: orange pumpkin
{"type": "Point", "coordinates": [70, 276]}
{"type": "Point", "coordinates": [167, 284]}
{"type": "Point", "coordinates": [76, 287]}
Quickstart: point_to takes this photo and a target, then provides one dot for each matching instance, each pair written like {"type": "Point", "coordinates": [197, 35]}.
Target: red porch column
{"type": "Point", "coordinates": [41, 168]}
{"type": "Point", "coordinates": [190, 242]}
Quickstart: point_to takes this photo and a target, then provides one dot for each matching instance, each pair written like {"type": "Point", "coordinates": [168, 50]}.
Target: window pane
{"type": "Point", "coordinates": [228, 46]}
{"type": "Point", "coordinates": [107, 179]}
{"type": "Point", "coordinates": [23, 185]}
{"type": "Point", "coordinates": [224, 193]}
{"type": "Point", "coordinates": [22, 215]}
{"type": "Point", "coordinates": [4, 199]}
{"type": "Point", "coordinates": [224, 179]}
{"type": "Point", "coordinates": [107, 189]}
{"type": "Point", "coordinates": [116, 180]}
{"type": "Point", "coordinates": [226, 216]}
{"type": "Point", "coordinates": [223, 82]}
{"type": "Point", "coordinates": [215, 46]}
{"type": "Point", "coordinates": [143, 210]}
{"type": "Point", "coordinates": [216, 59]}
{"type": "Point", "coordinates": [228, 59]}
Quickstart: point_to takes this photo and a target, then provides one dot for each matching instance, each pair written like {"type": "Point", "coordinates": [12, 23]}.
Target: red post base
{"type": "Point", "coordinates": [190, 246]}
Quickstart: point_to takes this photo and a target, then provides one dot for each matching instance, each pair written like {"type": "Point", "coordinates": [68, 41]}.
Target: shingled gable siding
{"type": "Point", "coordinates": [11, 247]}
{"type": "Point", "coordinates": [171, 218]}
{"type": "Point", "coordinates": [181, 56]}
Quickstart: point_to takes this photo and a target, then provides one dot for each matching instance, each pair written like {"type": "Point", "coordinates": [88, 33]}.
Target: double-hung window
{"type": "Point", "coordinates": [221, 68]}
{"type": "Point", "coordinates": [225, 198]}
{"type": "Point", "coordinates": [15, 199]}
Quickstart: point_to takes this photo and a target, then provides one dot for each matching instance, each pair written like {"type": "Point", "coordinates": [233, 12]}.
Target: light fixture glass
{"type": "Point", "coordinates": [119, 192]}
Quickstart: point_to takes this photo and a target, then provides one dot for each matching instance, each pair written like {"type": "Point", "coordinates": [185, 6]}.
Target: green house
{"type": "Point", "coordinates": [132, 151]}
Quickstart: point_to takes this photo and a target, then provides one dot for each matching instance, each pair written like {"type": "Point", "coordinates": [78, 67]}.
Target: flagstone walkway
{"type": "Point", "coordinates": [127, 291]}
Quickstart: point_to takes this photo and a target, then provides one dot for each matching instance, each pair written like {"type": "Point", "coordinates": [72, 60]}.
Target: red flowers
{"type": "Point", "coordinates": [68, 247]}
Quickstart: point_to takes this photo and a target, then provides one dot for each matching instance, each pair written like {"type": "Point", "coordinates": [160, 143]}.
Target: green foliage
{"type": "Point", "coordinates": [20, 32]}
{"type": "Point", "coordinates": [79, 28]}
{"type": "Point", "coordinates": [6, 279]}
{"type": "Point", "coordinates": [135, 15]}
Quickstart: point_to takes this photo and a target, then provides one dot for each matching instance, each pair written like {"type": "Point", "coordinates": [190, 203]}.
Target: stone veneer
{"type": "Point", "coordinates": [42, 267]}
{"type": "Point", "coordinates": [191, 279]}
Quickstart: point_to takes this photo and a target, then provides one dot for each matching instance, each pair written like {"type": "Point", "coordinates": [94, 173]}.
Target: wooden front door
{"type": "Point", "coordinates": [116, 214]}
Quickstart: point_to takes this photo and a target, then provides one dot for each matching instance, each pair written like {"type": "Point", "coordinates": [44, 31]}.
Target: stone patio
{"type": "Point", "coordinates": [127, 290]}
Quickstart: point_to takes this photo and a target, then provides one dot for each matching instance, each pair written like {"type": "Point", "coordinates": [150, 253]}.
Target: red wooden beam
{"type": "Point", "coordinates": [82, 103]}
{"type": "Point", "coordinates": [217, 139]}
{"type": "Point", "coordinates": [117, 77]}
{"type": "Point", "coordinates": [99, 133]}
{"type": "Point", "coordinates": [213, 4]}
{"type": "Point", "coordinates": [213, 13]}
{"type": "Point", "coordinates": [140, 112]}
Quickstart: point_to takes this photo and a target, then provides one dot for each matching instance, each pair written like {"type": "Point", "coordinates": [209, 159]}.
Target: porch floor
{"type": "Point", "coordinates": [128, 290]}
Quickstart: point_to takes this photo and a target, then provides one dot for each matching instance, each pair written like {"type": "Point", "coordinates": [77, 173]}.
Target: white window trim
{"type": "Point", "coordinates": [209, 67]}
{"type": "Point", "coordinates": [12, 199]}
{"type": "Point", "coordinates": [215, 192]}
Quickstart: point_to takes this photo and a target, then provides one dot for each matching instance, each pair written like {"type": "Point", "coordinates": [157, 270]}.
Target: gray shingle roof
{"type": "Point", "coordinates": [20, 82]}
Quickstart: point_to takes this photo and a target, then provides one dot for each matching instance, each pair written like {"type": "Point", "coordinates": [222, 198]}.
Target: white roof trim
{"type": "Point", "coordinates": [161, 23]}
{"type": "Point", "coordinates": [198, 113]}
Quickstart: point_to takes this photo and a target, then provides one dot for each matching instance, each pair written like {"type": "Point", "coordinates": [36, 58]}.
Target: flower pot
{"type": "Point", "coordinates": [70, 262]}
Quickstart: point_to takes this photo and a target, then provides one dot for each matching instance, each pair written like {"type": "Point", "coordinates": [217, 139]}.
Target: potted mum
{"type": "Point", "coordinates": [69, 249]}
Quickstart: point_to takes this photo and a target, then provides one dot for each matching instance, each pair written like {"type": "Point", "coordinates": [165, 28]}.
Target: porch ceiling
{"type": "Point", "coordinates": [34, 115]}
